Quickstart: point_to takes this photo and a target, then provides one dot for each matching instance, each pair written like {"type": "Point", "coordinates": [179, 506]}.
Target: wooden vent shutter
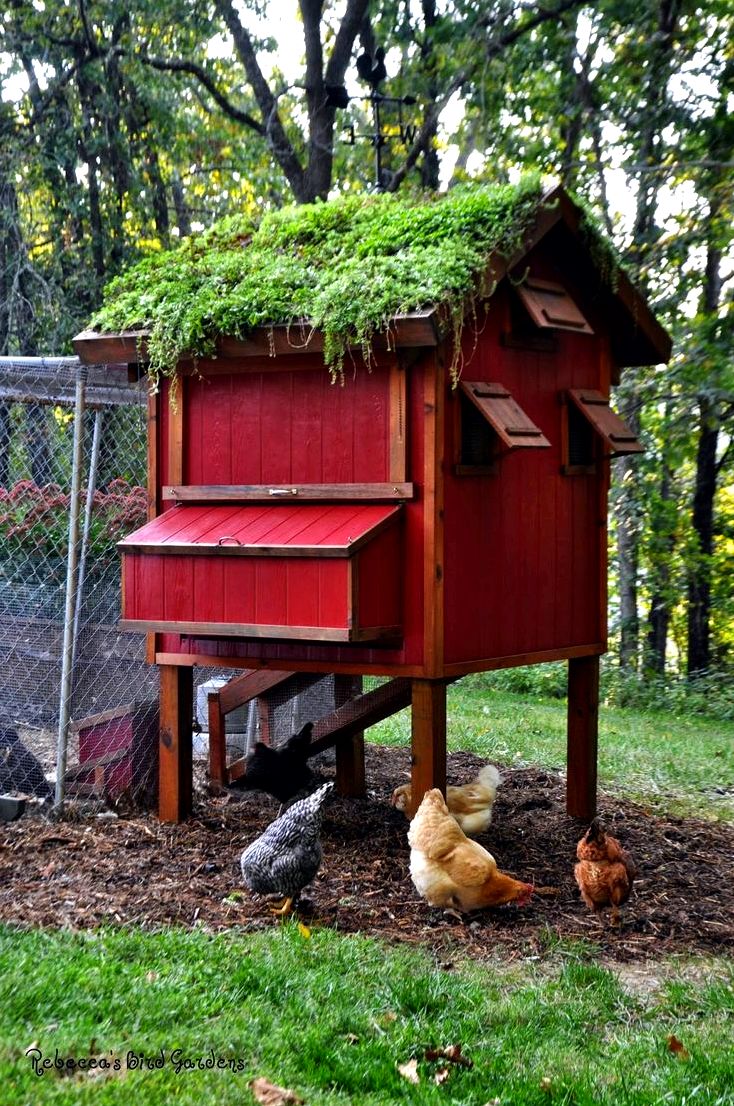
{"type": "Point", "coordinates": [549, 305]}
{"type": "Point", "coordinates": [504, 415]}
{"type": "Point", "coordinates": [612, 430]}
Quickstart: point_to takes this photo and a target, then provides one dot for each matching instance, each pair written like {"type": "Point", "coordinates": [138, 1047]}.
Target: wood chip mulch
{"type": "Point", "coordinates": [133, 870]}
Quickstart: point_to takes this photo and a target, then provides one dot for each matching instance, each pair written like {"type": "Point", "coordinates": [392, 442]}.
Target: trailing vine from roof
{"type": "Point", "coordinates": [345, 267]}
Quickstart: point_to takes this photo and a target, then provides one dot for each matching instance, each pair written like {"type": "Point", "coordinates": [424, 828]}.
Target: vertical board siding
{"type": "Point", "coordinates": [303, 595]}
{"type": "Point", "coordinates": [288, 425]}
{"type": "Point", "coordinates": [278, 397]}
{"type": "Point", "coordinates": [333, 593]}
{"type": "Point", "coordinates": [380, 568]}
{"type": "Point", "coordinates": [523, 549]}
{"type": "Point", "coordinates": [412, 600]}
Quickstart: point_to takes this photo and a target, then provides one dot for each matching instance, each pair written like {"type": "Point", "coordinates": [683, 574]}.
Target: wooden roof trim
{"type": "Point", "coordinates": [415, 330]}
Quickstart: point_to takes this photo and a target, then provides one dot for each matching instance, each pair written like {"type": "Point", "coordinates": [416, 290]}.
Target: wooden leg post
{"type": "Point", "coordinates": [583, 731]}
{"type": "Point", "coordinates": [217, 740]}
{"type": "Point", "coordinates": [428, 738]}
{"type": "Point", "coordinates": [349, 753]}
{"type": "Point", "coordinates": [176, 711]}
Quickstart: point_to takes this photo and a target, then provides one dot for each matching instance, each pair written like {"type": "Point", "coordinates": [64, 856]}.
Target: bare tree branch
{"type": "Point", "coordinates": [272, 124]}
{"type": "Point", "coordinates": [341, 51]}
{"type": "Point", "coordinates": [178, 65]}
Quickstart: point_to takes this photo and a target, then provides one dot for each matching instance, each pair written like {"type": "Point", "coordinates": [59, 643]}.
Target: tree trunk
{"type": "Point", "coordinates": [650, 152]}
{"type": "Point", "coordinates": [658, 619]}
{"type": "Point", "coordinates": [699, 580]}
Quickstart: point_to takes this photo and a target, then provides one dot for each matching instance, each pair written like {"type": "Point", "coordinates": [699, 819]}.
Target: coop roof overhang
{"type": "Point", "coordinates": [283, 530]}
{"type": "Point", "coordinates": [418, 329]}
{"type": "Point", "coordinates": [636, 336]}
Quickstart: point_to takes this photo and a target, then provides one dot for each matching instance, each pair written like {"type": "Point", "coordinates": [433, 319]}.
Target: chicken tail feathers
{"type": "Point", "coordinates": [313, 802]}
{"type": "Point", "coordinates": [301, 740]}
{"type": "Point", "coordinates": [490, 778]}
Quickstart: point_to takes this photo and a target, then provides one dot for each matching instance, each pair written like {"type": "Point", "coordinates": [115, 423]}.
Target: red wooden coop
{"type": "Point", "coordinates": [394, 525]}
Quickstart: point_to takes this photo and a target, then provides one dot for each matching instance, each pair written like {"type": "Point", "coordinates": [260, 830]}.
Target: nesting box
{"type": "Point", "coordinates": [401, 522]}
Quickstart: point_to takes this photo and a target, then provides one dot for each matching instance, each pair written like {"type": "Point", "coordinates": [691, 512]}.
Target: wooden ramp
{"type": "Point", "coordinates": [342, 728]}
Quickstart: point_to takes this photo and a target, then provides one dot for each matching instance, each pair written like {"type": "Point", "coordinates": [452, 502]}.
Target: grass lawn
{"type": "Point", "coordinates": [333, 1017]}
{"type": "Point", "coordinates": [671, 763]}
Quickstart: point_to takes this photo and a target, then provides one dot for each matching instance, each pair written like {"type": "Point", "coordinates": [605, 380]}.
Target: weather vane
{"type": "Point", "coordinates": [373, 72]}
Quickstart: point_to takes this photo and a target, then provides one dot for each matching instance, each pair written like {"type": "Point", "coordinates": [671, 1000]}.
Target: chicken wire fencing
{"type": "Point", "coordinates": [78, 702]}
{"type": "Point", "coordinates": [64, 660]}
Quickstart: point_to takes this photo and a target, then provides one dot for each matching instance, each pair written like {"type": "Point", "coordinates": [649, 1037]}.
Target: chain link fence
{"type": "Point", "coordinates": [110, 714]}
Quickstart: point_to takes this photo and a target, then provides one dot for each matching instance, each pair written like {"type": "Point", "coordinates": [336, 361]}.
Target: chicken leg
{"type": "Point", "coordinates": [285, 908]}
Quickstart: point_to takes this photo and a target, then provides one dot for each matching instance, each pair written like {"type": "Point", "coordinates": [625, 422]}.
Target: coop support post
{"type": "Point", "coordinates": [67, 649]}
{"type": "Point", "coordinates": [349, 754]}
{"type": "Point", "coordinates": [428, 738]}
{"type": "Point", "coordinates": [583, 730]}
{"type": "Point", "coordinates": [175, 745]}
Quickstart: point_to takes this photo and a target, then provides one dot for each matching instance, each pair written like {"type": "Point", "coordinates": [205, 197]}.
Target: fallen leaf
{"type": "Point", "coordinates": [48, 870]}
{"type": "Point", "coordinates": [452, 1053]}
{"type": "Point", "coordinates": [546, 1084]}
{"type": "Point", "coordinates": [270, 1094]}
{"type": "Point", "coordinates": [409, 1071]}
{"type": "Point", "coordinates": [351, 1038]}
{"type": "Point", "coordinates": [441, 1076]}
{"type": "Point", "coordinates": [493, 1102]}
{"type": "Point", "coordinates": [150, 977]}
{"type": "Point", "coordinates": [304, 930]}
{"type": "Point", "coordinates": [234, 897]}
{"type": "Point", "coordinates": [677, 1047]}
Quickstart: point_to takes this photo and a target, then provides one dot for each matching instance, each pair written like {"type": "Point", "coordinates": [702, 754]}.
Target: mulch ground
{"type": "Point", "coordinates": [131, 869]}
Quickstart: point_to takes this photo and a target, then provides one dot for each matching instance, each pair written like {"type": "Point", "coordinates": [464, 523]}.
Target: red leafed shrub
{"type": "Point", "coordinates": [35, 519]}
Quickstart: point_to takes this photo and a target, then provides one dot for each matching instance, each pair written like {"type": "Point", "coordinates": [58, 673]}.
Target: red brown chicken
{"type": "Point", "coordinates": [605, 871]}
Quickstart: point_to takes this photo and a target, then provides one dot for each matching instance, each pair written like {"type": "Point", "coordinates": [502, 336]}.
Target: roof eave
{"type": "Point", "coordinates": [414, 330]}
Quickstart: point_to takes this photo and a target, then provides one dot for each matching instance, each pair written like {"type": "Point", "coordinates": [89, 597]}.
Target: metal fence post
{"type": "Point", "coordinates": [67, 669]}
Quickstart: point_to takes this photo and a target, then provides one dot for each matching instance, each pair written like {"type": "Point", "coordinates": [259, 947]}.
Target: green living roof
{"type": "Point", "coordinates": [346, 267]}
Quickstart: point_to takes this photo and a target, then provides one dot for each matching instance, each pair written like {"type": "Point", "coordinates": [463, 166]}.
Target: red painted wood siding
{"type": "Point", "coordinates": [282, 426]}
{"type": "Point", "coordinates": [523, 553]}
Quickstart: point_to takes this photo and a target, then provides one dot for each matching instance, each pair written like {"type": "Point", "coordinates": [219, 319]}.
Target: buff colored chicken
{"type": "Point", "coordinates": [470, 804]}
{"type": "Point", "coordinates": [605, 870]}
{"type": "Point", "coordinates": [449, 870]}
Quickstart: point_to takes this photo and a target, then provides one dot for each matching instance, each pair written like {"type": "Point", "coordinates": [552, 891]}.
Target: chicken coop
{"type": "Point", "coordinates": [440, 511]}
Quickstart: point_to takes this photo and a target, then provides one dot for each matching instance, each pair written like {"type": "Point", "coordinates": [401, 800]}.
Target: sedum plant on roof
{"type": "Point", "coordinates": [344, 267]}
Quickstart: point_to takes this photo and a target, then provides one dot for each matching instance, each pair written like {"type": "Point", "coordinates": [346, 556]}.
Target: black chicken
{"type": "Point", "coordinates": [373, 71]}
{"type": "Point", "coordinates": [287, 856]}
{"type": "Point", "coordinates": [20, 770]}
{"type": "Point", "coordinates": [281, 771]}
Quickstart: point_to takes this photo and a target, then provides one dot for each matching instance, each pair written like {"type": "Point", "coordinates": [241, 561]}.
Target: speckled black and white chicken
{"type": "Point", "coordinates": [287, 856]}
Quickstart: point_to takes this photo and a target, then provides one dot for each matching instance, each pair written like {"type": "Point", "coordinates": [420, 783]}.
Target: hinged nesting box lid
{"type": "Point", "coordinates": [292, 530]}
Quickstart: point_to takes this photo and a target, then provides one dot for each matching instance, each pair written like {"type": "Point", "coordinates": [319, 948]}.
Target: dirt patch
{"type": "Point", "coordinates": [132, 869]}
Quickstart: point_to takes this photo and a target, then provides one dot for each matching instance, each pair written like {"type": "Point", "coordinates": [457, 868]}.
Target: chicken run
{"type": "Point", "coordinates": [132, 869]}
